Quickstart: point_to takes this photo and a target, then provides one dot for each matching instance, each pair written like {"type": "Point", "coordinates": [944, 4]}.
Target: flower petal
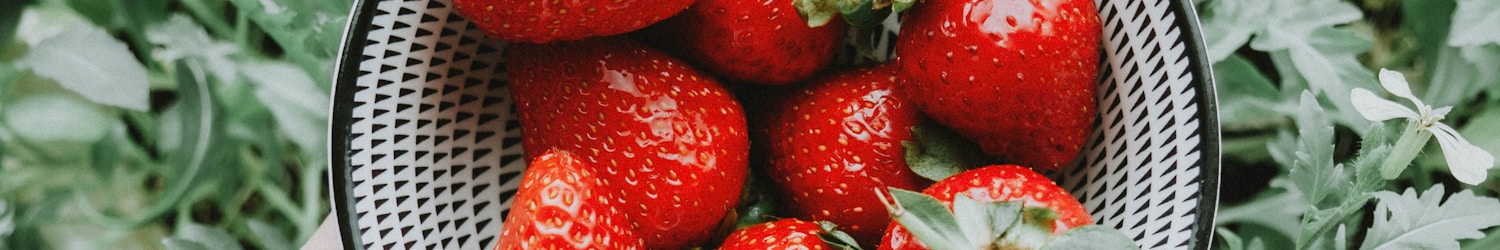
{"type": "Point", "coordinates": [1394, 82]}
{"type": "Point", "coordinates": [1443, 111]}
{"type": "Point", "coordinates": [1376, 109]}
{"type": "Point", "coordinates": [1467, 162]}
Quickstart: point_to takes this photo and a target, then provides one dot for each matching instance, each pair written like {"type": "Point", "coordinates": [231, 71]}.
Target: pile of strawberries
{"type": "Point", "coordinates": [659, 124]}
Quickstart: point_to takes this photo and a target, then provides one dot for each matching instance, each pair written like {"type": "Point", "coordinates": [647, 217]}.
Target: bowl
{"type": "Point", "coordinates": [426, 150]}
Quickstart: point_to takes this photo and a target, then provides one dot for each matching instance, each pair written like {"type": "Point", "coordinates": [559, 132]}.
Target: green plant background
{"type": "Point", "coordinates": [201, 124]}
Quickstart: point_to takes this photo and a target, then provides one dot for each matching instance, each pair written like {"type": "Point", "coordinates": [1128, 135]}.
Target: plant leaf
{"type": "Point", "coordinates": [1474, 23]}
{"type": "Point", "coordinates": [1410, 221]}
{"type": "Point", "coordinates": [1481, 131]}
{"type": "Point", "coordinates": [300, 108]}
{"type": "Point", "coordinates": [182, 244]}
{"type": "Point", "coordinates": [1091, 237]}
{"type": "Point", "coordinates": [1228, 25]}
{"type": "Point", "coordinates": [268, 236]}
{"type": "Point", "coordinates": [1248, 99]}
{"type": "Point", "coordinates": [972, 219]}
{"type": "Point", "coordinates": [87, 60]}
{"type": "Point", "coordinates": [939, 152]}
{"type": "Point", "coordinates": [57, 117]}
{"type": "Point", "coordinates": [208, 237]}
{"type": "Point", "coordinates": [180, 37]}
{"type": "Point", "coordinates": [927, 219]}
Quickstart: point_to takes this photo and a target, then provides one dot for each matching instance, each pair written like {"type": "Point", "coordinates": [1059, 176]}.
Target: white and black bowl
{"type": "Point", "coordinates": [426, 150]}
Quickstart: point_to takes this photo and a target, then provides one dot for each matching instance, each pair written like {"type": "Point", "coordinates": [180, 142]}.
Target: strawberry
{"type": "Point", "coordinates": [1017, 77]}
{"type": "Point", "coordinates": [533, 21]}
{"type": "Point", "coordinates": [787, 234]}
{"type": "Point", "coordinates": [562, 204]}
{"type": "Point", "coordinates": [836, 137]}
{"type": "Point", "coordinates": [979, 199]}
{"type": "Point", "coordinates": [672, 141]}
{"type": "Point", "coordinates": [758, 41]}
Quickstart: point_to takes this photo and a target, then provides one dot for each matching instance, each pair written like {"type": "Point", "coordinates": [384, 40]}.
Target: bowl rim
{"type": "Point", "coordinates": [356, 30]}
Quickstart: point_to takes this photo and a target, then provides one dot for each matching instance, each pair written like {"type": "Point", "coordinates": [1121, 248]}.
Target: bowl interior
{"type": "Point", "coordinates": [426, 151]}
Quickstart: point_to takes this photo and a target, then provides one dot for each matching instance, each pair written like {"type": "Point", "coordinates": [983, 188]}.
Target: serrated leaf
{"type": "Point", "coordinates": [1277, 211]}
{"type": "Point", "coordinates": [1294, 21]}
{"type": "Point", "coordinates": [208, 237]}
{"type": "Point", "coordinates": [1474, 23]}
{"type": "Point", "coordinates": [1091, 237]}
{"type": "Point", "coordinates": [1410, 221]}
{"type": "Point", "coordinates": [1228, 25]}
{"type": "Point", "coordinates": [1314, 172]}
{"type": "Point", "coordinates": [928, 220]}
{"type": "Point", "coordinates": [87, 60]}
{"type": "Point", "coordinates": [268, 236]}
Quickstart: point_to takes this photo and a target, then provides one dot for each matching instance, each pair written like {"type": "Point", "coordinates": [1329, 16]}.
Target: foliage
{"type": "Point", "coordinates": [178, 124]}
{"type": "Point", "coordinates": [1285, 72]}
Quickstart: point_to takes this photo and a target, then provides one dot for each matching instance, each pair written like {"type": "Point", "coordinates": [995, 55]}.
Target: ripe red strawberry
{"type": "Point", "coordinates": [1059, 212]}
{"type": "Point", "coordinates": [672, 141]}
{"type": "Point", "coordinates": [535, 21]}
{"type": "Point", "coordinates": [786, 234]}
{"type": "Point", "coordinates": [834, 139]}
{"type": "Point", "coordinates": [562, 204]}
{"type": "Point", "coordinates": [1015, 76]}
{"type": "Point", "coordinates": [758, 41]}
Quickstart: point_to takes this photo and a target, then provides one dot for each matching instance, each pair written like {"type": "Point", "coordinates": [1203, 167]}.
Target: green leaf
{"type": "Point", "coordinates": [1275, 210]}
{"type": "Point", "coordinates": [208, 237]}
{"type": "Point", "coordinates": [1409, 221]}
{"type": "Point", "coordinates": [1248, 100]}
{"type": "Point", "coordinates": [300, 108]}
{"type": "Point", "coordinates": [927, 220]}
{"type": "Point", "coordinates": [1474, 23]}
{"type": "Point", "coordinates": [181, 244]}
{"type": "Point", "coordinates": [100, 12]}
{"type": "Point", "coordinates": [180, 37]}
{"type": "Point", "coordinates": [1461, 74]}
{"type": "Point", "coordinates": [1313, 170]}
{"type": "Point", "coordinates": [973, 219]}
{"type": "Point", "coordinates": [1228, 25]}
{"type": "Point", "coordinates": [87, 60]}
{"type": "Point", "coordinates": [1091, 237]}
{"type": "Point", "coordinates": [816, 12]}
{"type": "Point", "coordinates": [835, 238]}
{"type": "Point", "coordinates": [57, 117]}
{"type": "Point", "coordinates": [268, 236]}
{"type": "Point", "coordinates": [1309, 48]}
{"type": "Point", "coordinates": [1004, 216]}
{"type": "Point", "coordinates": [939, 152]}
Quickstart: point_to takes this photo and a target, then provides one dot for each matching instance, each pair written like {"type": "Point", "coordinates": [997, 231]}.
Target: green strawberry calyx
{"type": "Point", "coordinates": [997, 225]}
{"type": "Point", "coordinates": [836, 239]}
{"type": "Point", "coordinates": [859, 13]}
{"type": "Point", "coordinates": [936, 152]}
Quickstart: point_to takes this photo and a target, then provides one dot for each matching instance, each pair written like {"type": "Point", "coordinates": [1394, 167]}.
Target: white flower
{"type": "Point", "coordinates": [1467, 162]}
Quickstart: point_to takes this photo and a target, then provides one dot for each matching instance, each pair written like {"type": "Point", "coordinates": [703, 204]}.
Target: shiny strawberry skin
{"type": "Point", "coordinates": [999, 183]}
{"type": "Point", "coordinates": [755, 41]}
{"type": "Point", "coordinates": [672, 141]}
{"type": "Point", "coordinates": [562, 204]}
{"type": "Point", "coordinates": [836, 139]}
{"type": "Point", "coordinates": [781, 234]}
{"type": "Point", "coordinates": [542, 21]}
{"type": "Point", "coordinates": [1015, 76]}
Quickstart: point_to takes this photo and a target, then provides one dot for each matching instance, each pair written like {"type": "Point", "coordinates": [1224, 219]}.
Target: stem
{"type": "Point", "coordinates": [1411, 142]}
{"type": "Point", "coordinates": [312, 186]}
{"type": "Point", "coordinates": [208, 18]}
{"type": "Point", "coordinates": [279, 200]}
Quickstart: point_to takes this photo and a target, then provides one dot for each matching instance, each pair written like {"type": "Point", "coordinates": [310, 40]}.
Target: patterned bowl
{"type": "Point", "coordinates": [426, 151]}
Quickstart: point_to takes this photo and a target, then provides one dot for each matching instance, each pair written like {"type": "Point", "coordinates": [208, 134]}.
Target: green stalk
{"type": "Point", "coordinates": [1413, 138]}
